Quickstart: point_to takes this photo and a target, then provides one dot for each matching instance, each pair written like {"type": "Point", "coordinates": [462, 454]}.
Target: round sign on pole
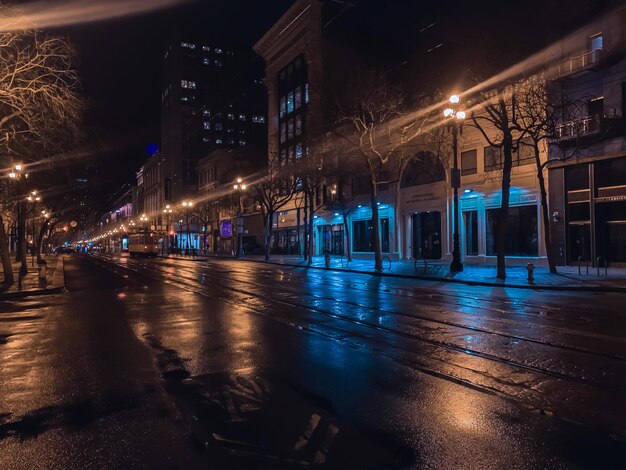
{"type": "Point", "coordinates": [73, 224]}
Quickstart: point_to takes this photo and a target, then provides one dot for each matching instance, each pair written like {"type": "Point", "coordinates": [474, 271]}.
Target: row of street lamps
{"type": "Point", "coordinates": [33, 198]}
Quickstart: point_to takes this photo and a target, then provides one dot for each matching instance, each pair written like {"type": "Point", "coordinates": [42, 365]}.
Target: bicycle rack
{"type": "Point", "coordinates": [606, 268]}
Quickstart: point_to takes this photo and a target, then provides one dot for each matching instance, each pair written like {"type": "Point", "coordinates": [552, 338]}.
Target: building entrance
{"type": "Point", "coordinates": [427, 235]}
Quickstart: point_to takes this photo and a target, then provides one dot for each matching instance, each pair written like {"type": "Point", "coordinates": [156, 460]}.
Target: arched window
{"type": "Point", "coordinates": [424, 168]}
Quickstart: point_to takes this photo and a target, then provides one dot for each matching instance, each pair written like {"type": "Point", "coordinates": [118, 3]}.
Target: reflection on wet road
{"type": "Point", "coordinates": [176, 364]}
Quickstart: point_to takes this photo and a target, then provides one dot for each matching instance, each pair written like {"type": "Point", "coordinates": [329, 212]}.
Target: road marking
{"type": "Point", "coordinates": [310, 428]}
{"type": "Point", "coordinates": [327, 443]}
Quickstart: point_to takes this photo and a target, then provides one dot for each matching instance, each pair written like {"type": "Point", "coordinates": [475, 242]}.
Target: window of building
{"type": "Point", "coordinates": [283, 107]}
{"type": "Point", "coordinates": [190, 84]}
{"type": "Point", "coordinates": [298, 124]}
{"type": "Point", "coordinates": [242, 142]}
{"type": "Point", "coordinates": [218, 51]}
{"type": "Point", "coordinates": [188, 45]}
{"type": "Point", "coordinates": [471, 232]}
{"type": "Point", "coordinates": [290, 129]}
{"type": "Point", "coordinates": [230, 116]}
{"type": "Point", "coordinates": [298, 151]}
{"type": "Point", "coordinates": [230, 130]}
{"type": "Point", "coordinates": [217, 62]}
{"type": "Point", "coordinates": [231, 141]}
{"type": "Point", "coordinates": [283, 156]}
{"type": "Point", "coordinates": [206, 61]}
{"type": "Point", "coordinates": [206, 139]}
{"type": "Point", "coordinates": [242, 117]}
{"type": "Point", "coordinates": [258, 119]}
{"type": "Point", "coordinates": [425, 168]}
{"type": "Point", "coordinates": [363, 235]}
{"type": "Point", "coordinates": [206, 125]}
{"type": "Point", "coordinates": [218, 126]}
{"type": "Point", "coordinates": [360, 185]}
{"type": "Point", "coordinates": [610, 174]}
{"type": "Point", "coordinates": [184, 98]}
{"type": "Point", "coordinates": [298, 97]}
{"type": "Point", "coordinates": [468, 162]}
{"type": "Point", "coordinates": [493, 158]}
{"type": "Point", "coordinates": [218, 140]}
{"type": "Point", "coordinates": [306, 92]}
{"type": "Point", "coordinates": [521, 232]}
{"type": "Point", "coordinates": [595, 41]}
{"type": "Point", "coordinates": [206, 112]}
{"type": "Point", "coordinates": [290, 102]}
{"type": "Point", "coordinates": [283, 133]}
{"type": "Point", "coordinates": [206, 48]}
{"type": "Point", "coordinates": [290, 154]}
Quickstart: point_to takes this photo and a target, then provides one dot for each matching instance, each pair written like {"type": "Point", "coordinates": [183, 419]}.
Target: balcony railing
{"type": "Point", "coordinates": [579, 128]}
{"type": "Point", "coordinates": [580, 63]}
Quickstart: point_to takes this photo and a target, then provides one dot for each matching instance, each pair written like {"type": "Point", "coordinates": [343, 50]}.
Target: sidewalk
{"type": "Point", "coordinates": [30, 284]}
{"type": "Point", "coordinates": [473, 274]}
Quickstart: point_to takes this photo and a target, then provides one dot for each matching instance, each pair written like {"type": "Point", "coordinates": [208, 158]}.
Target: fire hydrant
{"type": "Point", "coordinates": [327, 260]}
{"type": "Point", "coordinates": [43, 268]}
{"type": "Point", "coordinates": [531, 273]}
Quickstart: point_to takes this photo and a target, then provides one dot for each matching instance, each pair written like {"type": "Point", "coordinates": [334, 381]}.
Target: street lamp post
{"type": "Point", "coordinates": [456, 117]}
{"type": "Point", "coordinates": [168, 213]}
{"type": "Point", "coordinates": [33, 198]}
{"type": "Point", "coordinates": [187, 205]}
{"type": "Point", "coordinates": [17, 175]}
{"type": "Point", "coordinates": [240, 187]}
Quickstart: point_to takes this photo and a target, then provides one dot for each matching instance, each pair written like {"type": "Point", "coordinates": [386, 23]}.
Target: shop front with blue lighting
{"type": "Point", "coordinates": [331, 237]}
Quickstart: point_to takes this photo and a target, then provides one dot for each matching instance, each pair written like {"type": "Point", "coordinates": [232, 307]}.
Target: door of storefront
{"type": "Point", "coordinates": [331, 237]}
{"type": "Point", "coordinates": [427, 235]}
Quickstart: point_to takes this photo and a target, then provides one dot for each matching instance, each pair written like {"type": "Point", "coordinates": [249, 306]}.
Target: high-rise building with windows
{"type": "Point", "coordinates": [212, 97]}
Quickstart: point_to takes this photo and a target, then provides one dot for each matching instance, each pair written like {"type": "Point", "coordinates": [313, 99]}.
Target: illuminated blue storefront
{"type": "Point", "coordinates": [330, 234]}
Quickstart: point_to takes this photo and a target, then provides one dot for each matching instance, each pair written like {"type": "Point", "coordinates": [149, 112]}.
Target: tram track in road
{"type": "Point", "coordinates": [569, 397]}
{"type": "Point", "coordinates": [191, 281]}
{"type": "Point", "coordinates": [191, 274]}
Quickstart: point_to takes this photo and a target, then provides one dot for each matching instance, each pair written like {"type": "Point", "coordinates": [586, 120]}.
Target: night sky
{"type": "Point", "coordinates": [119, 60]}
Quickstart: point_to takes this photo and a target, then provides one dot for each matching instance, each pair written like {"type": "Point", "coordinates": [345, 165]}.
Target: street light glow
{"type": "Point", "coordinates": [460, 114]}
{"type": "Point", "coordinates": [454, 99]}
{"type": "Point", "coordinates": [448, 112]}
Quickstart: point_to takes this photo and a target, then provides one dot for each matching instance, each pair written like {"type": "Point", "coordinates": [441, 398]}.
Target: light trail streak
{"type": "Point", "coordinates": [43, 14]}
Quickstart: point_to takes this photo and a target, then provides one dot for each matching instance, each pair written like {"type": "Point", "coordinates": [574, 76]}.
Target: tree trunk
{"type": "Point", "coordinates": [268, 231]}
{"type": "Point", "coordinates": [348, 249]}
{"type": "Point", "coordinates": [503, 220]}
{"type": "Point", "coordinates": [7, 268]}
{"type": "Point", "coordinates": [42, 231]}
{"type": "Point", "coordinates": [306, 229]}
{"type": "Point", "coordinates": [21, 238]}
{"type": "Point", "coordinates": [545, 213]}
{"type": "Point", "coordinates": [300, 251]}
{"type": "Point", "coordinates": [378, 257]}
{"type": "Point", "coordinates": [309, 241]}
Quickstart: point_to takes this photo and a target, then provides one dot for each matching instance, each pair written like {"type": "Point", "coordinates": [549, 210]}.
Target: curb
{"type": "Point", "coordinates": [58, 273]}
{"type": "Point", "coordinates": [595, 288]}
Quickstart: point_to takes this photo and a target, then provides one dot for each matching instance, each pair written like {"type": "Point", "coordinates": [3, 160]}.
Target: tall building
{"type": "Point", "coordinates": [212, 97]}
{"type": "Point", "coordinates": [588, 153]}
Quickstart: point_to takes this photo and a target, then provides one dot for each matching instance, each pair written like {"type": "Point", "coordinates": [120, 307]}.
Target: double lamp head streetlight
{"type": "Point", "coordinates": [456, 116]}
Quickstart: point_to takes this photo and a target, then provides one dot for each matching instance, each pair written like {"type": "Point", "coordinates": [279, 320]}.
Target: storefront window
{"type": "Point", "coordinates": [363, 235]}
{"type": "Point", "coordinates": [471, 232]}
{"type": "Point", "coordinates": [521, 236]}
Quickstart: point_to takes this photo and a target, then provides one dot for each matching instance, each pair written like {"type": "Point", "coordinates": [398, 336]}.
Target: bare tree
{"type": "Point", "coordinates": [380, 127]}
{"type": "Point", "coordinates": [40, 109]}
{"type": "Point", "coordinates": [499, 113]}
{"type": "Point", "coordinates": [272, 193]}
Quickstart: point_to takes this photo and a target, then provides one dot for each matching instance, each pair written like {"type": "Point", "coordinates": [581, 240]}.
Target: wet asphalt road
{"type": "Point", "coordinates": [177, 364]}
